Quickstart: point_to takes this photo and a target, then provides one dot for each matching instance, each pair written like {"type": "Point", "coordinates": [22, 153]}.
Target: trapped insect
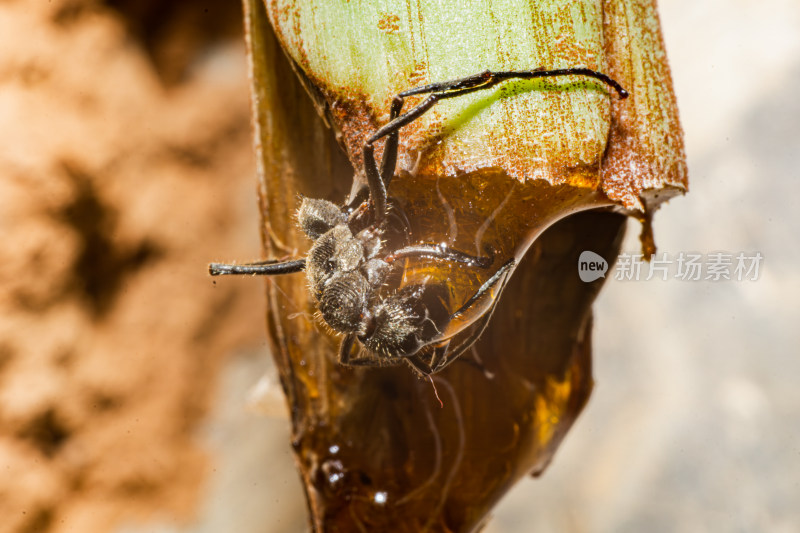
{"type": "Point", "coordinates": [350, 263]}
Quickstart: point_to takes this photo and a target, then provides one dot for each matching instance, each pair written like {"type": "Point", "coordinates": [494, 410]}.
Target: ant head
{"type": "Point", "coordinates": [404, 323]}
{"type": "Point", "coordinates": [396, 331]}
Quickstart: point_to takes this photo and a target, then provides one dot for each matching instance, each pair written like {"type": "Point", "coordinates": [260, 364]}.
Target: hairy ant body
{"type": "Point", "coordinates": [347, 265]}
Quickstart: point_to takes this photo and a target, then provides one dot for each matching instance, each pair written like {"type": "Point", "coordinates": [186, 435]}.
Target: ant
{"type": "Point", "coordinates": [349, 263]}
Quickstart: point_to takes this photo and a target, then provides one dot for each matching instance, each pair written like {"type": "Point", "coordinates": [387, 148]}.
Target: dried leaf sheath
{"type": "Point", "coordinates": [645, 164]}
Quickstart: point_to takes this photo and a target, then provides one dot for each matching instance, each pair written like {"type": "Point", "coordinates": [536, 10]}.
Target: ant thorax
{"type": "Point", "coordinates": [349, 276]}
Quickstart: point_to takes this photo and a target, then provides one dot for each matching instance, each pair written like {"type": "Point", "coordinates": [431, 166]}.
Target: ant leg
{"type": "Point", "coordinates": [378, 179]}
{"type": "Point", "coordinates": [476, 82]}
{"type": "Point", "coordinates": [477, 331]}
{"type": "Point", "coordinates": [438, 356]}
{"type": "Point", "coordinates": [345, 348]}
{"type": "Point", "coordinates": [358, 198]}
{"type": "Point", "coordinates": [451, 355]}
{"type": "Point", "coordinates": [486, 287]}
{"type": "Point", "coordinates": [442, 253]}
{"type": "Point", "coordinates": [389, 161]}
{"type": "Point", "coordinates": [419, 365]}
{"type": "Point", "coordinates": [377, 189]}
{"type": "Point", "coordinates": [368, 359]}
{"type": "Point", "coordinates": [268, 267]}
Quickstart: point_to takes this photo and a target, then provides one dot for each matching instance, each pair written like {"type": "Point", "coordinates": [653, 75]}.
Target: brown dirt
{"type": "Point", "coordinates": [125, 167]}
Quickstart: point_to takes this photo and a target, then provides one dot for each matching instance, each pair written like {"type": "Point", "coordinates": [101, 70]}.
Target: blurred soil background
{"type": "Point", "coordinates": [125, 371]}
{"type": "Point", "coordinates": [125, 167]}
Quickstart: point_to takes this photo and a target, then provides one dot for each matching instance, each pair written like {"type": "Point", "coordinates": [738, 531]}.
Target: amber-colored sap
{"type": "Point", "coordinates": [482, 214]}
